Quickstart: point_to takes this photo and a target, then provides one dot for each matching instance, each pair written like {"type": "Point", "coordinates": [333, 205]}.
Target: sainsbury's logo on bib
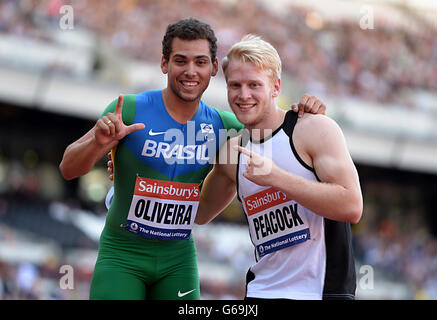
{"type": "Point", "coordinates": [264, 199]}
{"type": "Point", "coordinates": [167, 189]}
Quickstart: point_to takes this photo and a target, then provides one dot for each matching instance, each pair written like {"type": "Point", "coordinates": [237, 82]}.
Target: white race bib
{"type": "Point", "coordinates": [274, 221]}
{"type": "Point", "coordinates": [163, 209]}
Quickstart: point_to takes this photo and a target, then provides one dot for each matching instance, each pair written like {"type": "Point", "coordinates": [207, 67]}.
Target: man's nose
{"type": "Point", "coordinates": [191, 69]}
{"type": "Point", "coordinates": [244, 93]}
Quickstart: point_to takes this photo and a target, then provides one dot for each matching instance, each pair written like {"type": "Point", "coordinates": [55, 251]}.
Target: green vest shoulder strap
{"type": "Point", "coordinates": [129, 108]}
{"type": "Point", "coordinates": [230, 121]}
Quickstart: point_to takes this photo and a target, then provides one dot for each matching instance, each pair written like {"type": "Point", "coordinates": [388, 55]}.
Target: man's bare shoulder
{"type": "Point", "coordinates": [316, 124]}
{"type": "Point", "coordinates": [309, 119]}
{"type": "Point", "coordinates": [315, 134]}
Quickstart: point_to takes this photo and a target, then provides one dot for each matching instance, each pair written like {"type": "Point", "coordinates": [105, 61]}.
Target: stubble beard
{"type": "Point", "coordinates": [181, 96]}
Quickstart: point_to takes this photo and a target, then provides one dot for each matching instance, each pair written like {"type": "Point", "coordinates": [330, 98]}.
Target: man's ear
{"type": "Point", "coordinates": [276, 88]}
{"type": "Point", "coordinates": [164, 65]}
{"type": "Point", "coordinates": [215, 66]}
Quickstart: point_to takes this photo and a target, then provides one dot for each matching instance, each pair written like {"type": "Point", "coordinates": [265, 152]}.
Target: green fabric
{"type": "Point", "coordinates": [138, 268]}
{"type": "Point", "coordinates": [230, 121]}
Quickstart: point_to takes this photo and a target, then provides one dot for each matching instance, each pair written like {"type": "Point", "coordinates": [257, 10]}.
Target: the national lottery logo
{"type": "Point", "coordinates": [261, 249]}
{"type": "Point", "coordinates": [133, 226]}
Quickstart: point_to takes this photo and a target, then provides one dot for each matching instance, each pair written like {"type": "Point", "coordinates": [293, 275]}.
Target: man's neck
{"type": "Point", "coordinates": [180, 110]}
{"type": "Point", "coordinates": [272, 121]}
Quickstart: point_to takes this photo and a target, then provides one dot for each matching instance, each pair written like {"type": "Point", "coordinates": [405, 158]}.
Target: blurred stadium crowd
{"type": "Point", "coordinates": [333, 57]}
{"type": "Point", "coordinates": [326, 57]}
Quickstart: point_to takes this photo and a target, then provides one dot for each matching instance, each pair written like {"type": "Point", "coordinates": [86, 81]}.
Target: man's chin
{"type": "Point", "coordinates": [189, 97]}
{"type": "Point", "coordinates": [246, 121]}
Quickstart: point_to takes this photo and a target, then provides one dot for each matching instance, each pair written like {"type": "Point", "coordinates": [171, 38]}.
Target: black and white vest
{"type": "Point", "coordinates": [299, 254]}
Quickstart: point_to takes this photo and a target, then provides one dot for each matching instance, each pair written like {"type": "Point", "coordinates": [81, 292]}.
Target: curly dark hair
{"type": "Point", "coordinates": [188, 29]}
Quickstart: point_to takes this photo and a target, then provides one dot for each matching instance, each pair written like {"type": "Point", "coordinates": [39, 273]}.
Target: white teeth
{"type": "Point", "coordinates": [246, 106]}
{"type": "Point", "coordinates": [189, 83]}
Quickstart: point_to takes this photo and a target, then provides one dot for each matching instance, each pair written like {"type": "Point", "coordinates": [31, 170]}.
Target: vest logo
{"type": "Point", "coordinates": [206, 128]}
{"type": "Point", "coordinates": [181, 146]}
{"type": "Point", "coordinates": [186, 146]}
{"type": "Point", "coordinates": [154, 133]}
{"type": "Point", "coordinates": [175, 151]}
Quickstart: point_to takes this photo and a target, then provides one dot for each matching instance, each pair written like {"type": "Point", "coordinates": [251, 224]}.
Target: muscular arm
{"type": "Point", "coordinates": [219, 187]}
{"type": "Point", "coordinates": [338, 195]}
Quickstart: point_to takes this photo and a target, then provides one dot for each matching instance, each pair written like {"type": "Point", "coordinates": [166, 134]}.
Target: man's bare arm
{"type": "Point", "coordinates": [81, 156]}
{"type": "Point", "coordinates": [338, 195]}
{"type": "Point", "coordinates": [219, 187]}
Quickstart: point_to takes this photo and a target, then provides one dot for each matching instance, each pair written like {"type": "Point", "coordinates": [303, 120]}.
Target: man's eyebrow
{"type": "Point", "coordinates": [179, 55]}
{"type": "Point", "coordinates": [244, 80]}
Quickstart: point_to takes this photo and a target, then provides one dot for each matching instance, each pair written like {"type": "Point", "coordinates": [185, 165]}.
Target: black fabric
{"type": "Point", "coordinates": [249, 277]}
{"type": "Point", "coordinates": [289, 124]}
{"type": "Point", "coordinates": [340, 277]}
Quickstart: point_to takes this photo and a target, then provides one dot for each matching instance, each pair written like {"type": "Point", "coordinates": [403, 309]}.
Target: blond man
{"type": "Point", "coordinates": [296, 180]}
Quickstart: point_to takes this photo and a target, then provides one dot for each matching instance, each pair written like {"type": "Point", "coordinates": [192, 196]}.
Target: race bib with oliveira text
{"type": "Point", "coordinates": [163, 209]}
{"type": "Point", "coordinates": [275, 221]}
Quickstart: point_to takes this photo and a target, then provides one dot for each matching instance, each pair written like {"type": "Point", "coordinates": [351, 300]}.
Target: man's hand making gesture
{"type": "Point", "coordinates": [81, 156]}
{"type": "Point", "coordinates": [111, 127]}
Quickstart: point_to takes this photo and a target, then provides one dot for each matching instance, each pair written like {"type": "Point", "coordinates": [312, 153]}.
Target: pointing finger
{"type": "Point", "coordinates": [243, 151]}
{"type": "Point", "coordinates": [135, 127]}
{"type": "Point", "coordinates": [119, 105]}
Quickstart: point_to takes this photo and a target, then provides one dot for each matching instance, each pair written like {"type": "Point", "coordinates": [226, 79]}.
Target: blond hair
{"type": "Point", "coordinates": [262, 54]}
